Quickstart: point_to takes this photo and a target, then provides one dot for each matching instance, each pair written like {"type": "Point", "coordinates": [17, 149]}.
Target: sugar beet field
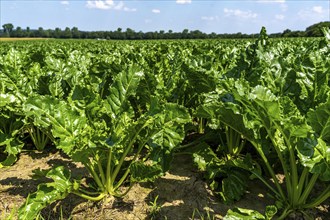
{"type": "Point", "coordinates": [172, 129]}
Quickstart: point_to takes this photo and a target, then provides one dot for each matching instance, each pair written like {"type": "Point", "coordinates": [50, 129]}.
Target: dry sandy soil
{"type": "Point", "coordinates": [23, 38]}
{"type": "Point", "coordinates": [180, 193]}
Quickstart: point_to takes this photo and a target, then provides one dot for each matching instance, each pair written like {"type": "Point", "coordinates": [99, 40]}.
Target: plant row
{"type": "Point", "coordinates": [243, 109]}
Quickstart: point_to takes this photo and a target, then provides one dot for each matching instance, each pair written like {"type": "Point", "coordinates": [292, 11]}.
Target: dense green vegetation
{"type": "Point", "coordinates": [129, 34]}
{"type": "Point", "coordinates": [243, 109]}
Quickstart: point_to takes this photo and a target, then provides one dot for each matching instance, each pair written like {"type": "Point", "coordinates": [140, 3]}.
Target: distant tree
{"type": "Point", "coordinates": [66, 33]}
{"type": "Point", "coordinates": [213, 35]}
{"type": "Point", "coordinates": [196, 34]}
{"type": "Point", "coordinates": [238, 35]}
{"type": "Point", "coordinates": [286, 33]}
{"type": "Point", "coordinates": [75, 32]}
{"type": "Point", "coordinates": [315, 30]}
{"type": "Point", "coordinates": [148, 35]}
{"type": "Point", "coordinates": [297, 34]}
{"type": "Point", "coordinates": [39, 32]}
{"type": "Point", "coordinates": [275, 35]}
{"type": "Point", "coordinates": [57, 33]}
{"type": "Point", "coordinates": [118, 34]}
{"type": "Point", "coordinates": [83, 34]}
{"type": "Point", "coordinates": [139, 35]}
{"type": "Point", "coordinates": [155, 35]}
{"type": "Point", "coordinates": [130, 34]}
{"type": "Point", "coordinates": [19, 32]}
{"type": "Point", "coordinates": [185, 34]}
{"type": "Point", "coordinates": [47, 33]}
{"type": "Point", "coordinates": [28, 31]}
{"type": "Point", "coordinates": [169, 34]}
{"type": "Point", "coordinates": [8, 28]}
{"type": "Point", "coordinates": [94, 35]}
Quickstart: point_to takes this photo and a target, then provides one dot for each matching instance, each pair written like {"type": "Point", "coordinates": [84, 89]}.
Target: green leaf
{"type": "Point", "coordinates": [169, 126]}
{"type": "Point", "coordinates": [10, 160]}
{"type": "Point", "coordinates": [161, 156]}
{"type": "Point", "coordinates": [124, 86]}
{"type": "Point", "coordinates": [203, 156]}
{"type": "Point", "coordinates": [319, 119]}
{"type": "Point", "coordinates": [315, 152]}
{"type": "Point", "coordinates": [225, 176]}
{"type": "Point", "coordinates": [243, 214]}
{"type": "Point", "coordinates": [47, 193]}
{"type": "Point", "coordinates": [222, 109]}
{"type": "Point", "coordinates": [199, 79]}
{"type": "Point", "coordinates": [271, 211]}
{"type": "Point", "coordinates": [247, 214]}
{"type": "Point", "coordinates": [64, 122]}
{"type": "Point", "coordinates": [316, 155]}
{"type": "Point", "coordinates": [13, 147]}
{"type": "Point", "coordinates": [6, 99]}
{"type": "Point", "coordinates": [234, 185]}
{"type": "Point", "coordinates": [142, 172]}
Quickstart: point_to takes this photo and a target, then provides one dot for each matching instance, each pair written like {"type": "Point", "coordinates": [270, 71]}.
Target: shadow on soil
{"type": "Point", "coordinates": [15, 186]}
{"type": "Point", "coordinates": [180, 192]}
{"type": "Point", "coordinates": [183, 194]}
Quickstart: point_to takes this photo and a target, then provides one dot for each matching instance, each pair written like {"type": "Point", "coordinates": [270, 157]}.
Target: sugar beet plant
{"type": "Point", "coordinates": [262, 100]}
{"type": "Point", "coordinates": [116, 146]}
{"type": "Point", "coordinates": [121, 109]}
{"type": "Point", "coordinates": [19, 78]}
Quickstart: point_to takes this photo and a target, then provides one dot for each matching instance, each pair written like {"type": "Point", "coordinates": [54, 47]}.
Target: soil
{"type": "Point", "coordinates": [21, 39]}
{"type": "Point", "coordinates": [180, 194]}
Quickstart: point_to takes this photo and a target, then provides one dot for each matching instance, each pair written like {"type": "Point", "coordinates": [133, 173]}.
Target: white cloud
{"type": "Point", "coordinates": [130, 9]}
{"type": "Point", "coordinates": [314, 13]}
{"type": "Point", "coordinates": [119, 6]}
{"type": "Point", "coordinates": [206, 18]}
{"type": "Point", "coordinates": [64, 2]}
{"type": "Point", "coordinates": [156, 11]}
{"type": "Point", "coordinates": [279, 17]}
{"type": "Point", "coordinates": [108, 5]}
{"type": "Point", "coordinates": [210, 18]}
{"type": "Point", "coordinates": [271, 1]}
{"type": "Point", "coordinates": [183, 2]}
{"type": "Point", "coordinates": [318, 9]}
{"type": "Point", "coordinates": [239, 13]}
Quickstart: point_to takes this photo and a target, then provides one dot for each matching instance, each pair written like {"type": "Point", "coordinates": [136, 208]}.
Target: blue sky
{"type": "Point", "coordinates": [153, 15]}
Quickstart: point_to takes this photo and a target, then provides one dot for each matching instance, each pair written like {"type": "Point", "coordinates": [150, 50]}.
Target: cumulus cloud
{"type": "Point", "coordinates": [183, 2]}
{"type": "Point", "coordinates": [156, 11]}
{"type": "Point", "coordinates": [239, 13]}
{"type": "Point", "coordinates": [314, 13]}
{"type": "Point", "coordinates": [318, 9]}
{"type": "Point", "coordinates": [108, 5]}
{"type": "Point", "coordinates": [64, 2]}
{"type": "Point", "coordinates": [118, 6]}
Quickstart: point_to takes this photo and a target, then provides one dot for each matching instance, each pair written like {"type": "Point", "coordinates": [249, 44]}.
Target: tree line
{"type": "Point", "coordinates": [9, 30]}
